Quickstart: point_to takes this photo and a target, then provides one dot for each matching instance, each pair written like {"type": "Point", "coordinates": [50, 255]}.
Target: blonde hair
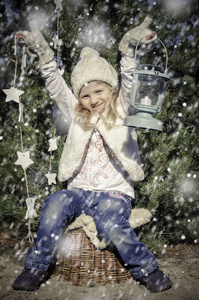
{"type": "Point", "coordinates": [110, 113]}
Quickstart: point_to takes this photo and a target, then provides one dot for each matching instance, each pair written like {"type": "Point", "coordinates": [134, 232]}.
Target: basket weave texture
{"type": "Point", "coordinates": [80, 263]}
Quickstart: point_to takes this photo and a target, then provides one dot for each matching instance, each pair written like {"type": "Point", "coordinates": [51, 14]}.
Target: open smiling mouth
{"type": "Point", "coordinates": [97, 106]}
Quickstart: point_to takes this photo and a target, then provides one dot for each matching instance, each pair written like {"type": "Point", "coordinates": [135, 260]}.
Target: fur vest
{"type": "Point", "coordinates": [121, 143]}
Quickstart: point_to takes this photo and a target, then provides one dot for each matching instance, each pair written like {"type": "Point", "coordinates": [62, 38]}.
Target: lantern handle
{"type": "Point", "coordinates": [166, 64]}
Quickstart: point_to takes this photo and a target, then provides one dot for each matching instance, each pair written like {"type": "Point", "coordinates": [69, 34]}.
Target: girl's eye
{"type": "Point", "coordinates": [85, 96]}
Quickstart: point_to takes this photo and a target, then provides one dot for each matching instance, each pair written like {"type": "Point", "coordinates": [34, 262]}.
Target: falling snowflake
{"type": "Point", "coordinates": [95, 33]}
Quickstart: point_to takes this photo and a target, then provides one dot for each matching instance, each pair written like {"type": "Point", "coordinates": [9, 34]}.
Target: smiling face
{"type": "Point", "coordinates": [94, 95]}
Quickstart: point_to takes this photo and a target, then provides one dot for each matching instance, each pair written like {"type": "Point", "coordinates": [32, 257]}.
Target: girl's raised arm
{"type": "Point", "coordinates": [37, 46]}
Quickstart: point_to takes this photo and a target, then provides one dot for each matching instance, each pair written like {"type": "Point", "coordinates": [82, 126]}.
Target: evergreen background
{"type": "Point", "coordinates": [170, 157]}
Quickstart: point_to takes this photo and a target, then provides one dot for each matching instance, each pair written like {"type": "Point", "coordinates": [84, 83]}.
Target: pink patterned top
{"type": "Point", "coordinates": [99, 172]}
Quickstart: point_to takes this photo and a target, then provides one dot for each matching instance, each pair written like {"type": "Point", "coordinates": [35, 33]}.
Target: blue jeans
{"type": "Point", "coordinates": [110, 211]}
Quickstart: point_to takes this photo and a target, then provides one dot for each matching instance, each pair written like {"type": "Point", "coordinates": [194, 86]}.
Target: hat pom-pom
{"type": "Point", "coordinates": [88, 52]}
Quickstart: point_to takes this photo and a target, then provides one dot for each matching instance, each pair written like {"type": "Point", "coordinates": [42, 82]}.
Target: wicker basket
{"type": "Point", "coordinates": [80, 263]}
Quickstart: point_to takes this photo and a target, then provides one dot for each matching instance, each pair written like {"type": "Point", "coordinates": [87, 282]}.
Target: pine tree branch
{"type": "Point", "coordinates": [11, 59]}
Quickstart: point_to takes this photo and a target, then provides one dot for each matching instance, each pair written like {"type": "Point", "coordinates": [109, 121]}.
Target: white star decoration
{"type": "Point", "coordinates": [13, 94]}
{"type": "Point", "coordinates": [51, 178]}
{"type": "Point", "coordinates": [31, 213]}
{"type": "Point", "coordinates": [24, 159]}
{"type": "Point", "coordinates": [53, 144]}
{"type": "Point", "coordinates": [58, 4]}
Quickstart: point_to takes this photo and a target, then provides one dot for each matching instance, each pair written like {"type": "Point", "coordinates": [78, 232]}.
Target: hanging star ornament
{"type": "Point", "coordinates": [51, 178]}
{"type": "Point", "coordinates": [24, 159]}
{"type": "Point", "coordinates": [31, 213]}
{"type": "Point", "coordinates": [13, 94]}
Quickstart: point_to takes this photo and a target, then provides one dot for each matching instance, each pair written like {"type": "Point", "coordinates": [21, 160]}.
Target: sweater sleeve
{"type": "Point", "coordinates": [58, 89]}
{"type": "Point", "coordinates": [127, 68]}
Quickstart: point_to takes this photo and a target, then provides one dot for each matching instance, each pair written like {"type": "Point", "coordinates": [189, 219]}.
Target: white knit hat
{"type": "Point", "coordinates": [92, 67]}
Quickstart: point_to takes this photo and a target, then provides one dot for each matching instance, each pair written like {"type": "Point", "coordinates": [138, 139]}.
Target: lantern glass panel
{"type": "Point", "coordinates": [148, 90]}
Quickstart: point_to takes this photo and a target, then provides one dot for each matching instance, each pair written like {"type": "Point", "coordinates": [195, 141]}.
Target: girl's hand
{"type": "Point", "coordinates": [35, 45]}
{"type": "Point", "coordinates": [151, 36]}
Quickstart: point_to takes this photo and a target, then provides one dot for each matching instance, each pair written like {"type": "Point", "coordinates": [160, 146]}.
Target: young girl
{"type": "Point", "coordinates": [100, 161]}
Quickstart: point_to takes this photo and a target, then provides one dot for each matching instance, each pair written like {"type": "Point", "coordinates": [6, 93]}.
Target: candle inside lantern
{"type": "Point", "coordinates": [145, 101]}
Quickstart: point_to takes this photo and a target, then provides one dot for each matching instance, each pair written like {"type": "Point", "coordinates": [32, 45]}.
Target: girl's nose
{"type": "Point", "coordinates": [93, 100]}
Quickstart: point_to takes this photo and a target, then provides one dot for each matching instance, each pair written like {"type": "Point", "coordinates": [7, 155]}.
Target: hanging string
{"type": "Point", "coordinates": [58, 15]}
{"type": "Point", "coordinates": [54, 135]}
{"type": "Point", "coordinates": [16, 60]}
{"type": "Point", "coordinates": [30, 235]}
{"type": "Point", "coordinates": [21, 138]}
{"type": "Point", "coordinates": [23, 63]}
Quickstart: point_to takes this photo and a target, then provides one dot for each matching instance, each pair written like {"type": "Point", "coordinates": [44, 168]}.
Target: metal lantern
{"type": "Point", "coordinates": [147, 94]}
